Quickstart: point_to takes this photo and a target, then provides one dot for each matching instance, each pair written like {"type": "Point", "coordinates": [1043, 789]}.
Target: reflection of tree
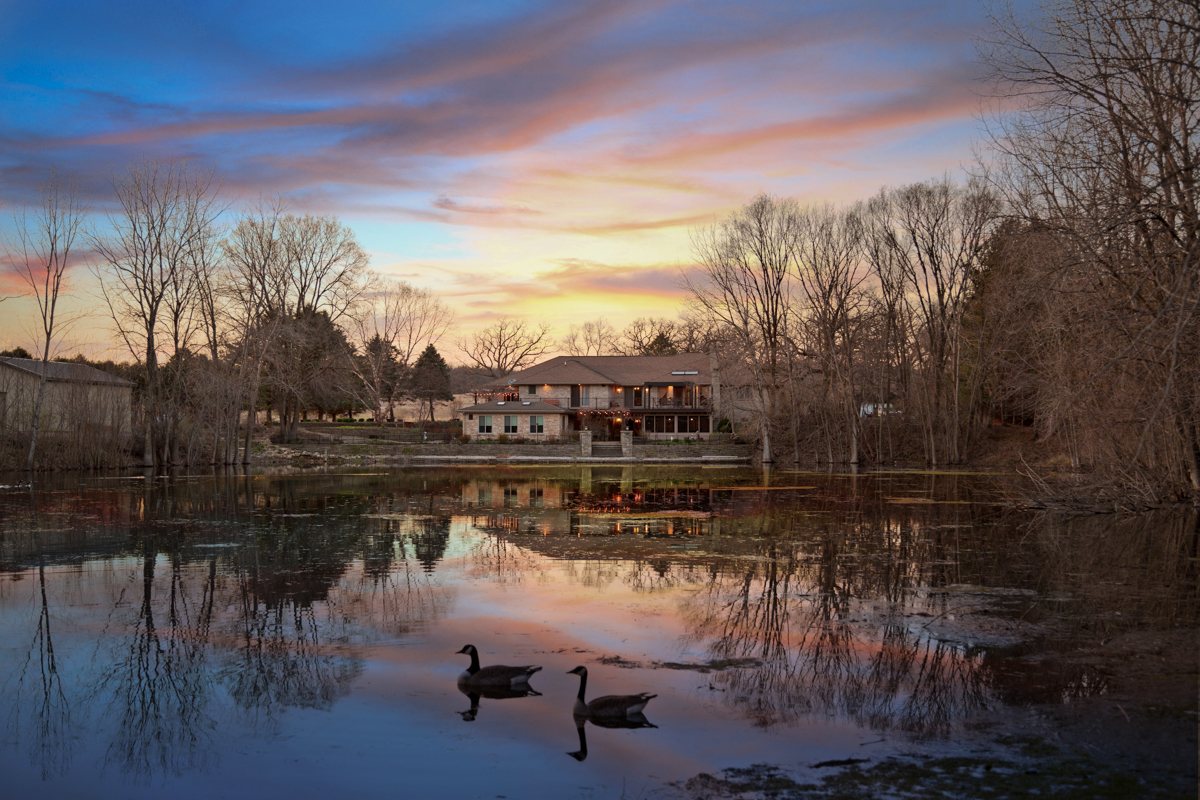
{"type": "Point", "coordinates": [281, 660]}
{"type": "Point", "coordinates": [792, 615]}
{"type": "Point", "coordinates": [495, 557]}
{"type": "Point", "coordinates": [394, 594]}
{"type": "Point", "coordinates": [158, 683]}
{"type": "Point", "coordinates": [49, 710]}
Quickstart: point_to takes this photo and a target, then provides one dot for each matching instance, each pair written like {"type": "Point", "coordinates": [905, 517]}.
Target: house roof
{"type": "Point", "coordinates": [514, 407]}
{"type": "Point", "coordinates": [617, 370]}
{"type": "Point", "coordinates": [64, 372]}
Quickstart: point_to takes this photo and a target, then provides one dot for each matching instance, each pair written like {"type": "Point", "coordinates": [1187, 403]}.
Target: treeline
{"type": "Point", "coordinates": [1058, 287]}
{"type": "Point", "coordinates": [227, 313]}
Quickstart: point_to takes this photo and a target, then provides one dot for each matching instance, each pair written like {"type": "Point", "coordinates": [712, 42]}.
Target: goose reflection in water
{"type": "Point", "coordinates": [635, 720]}
{"type": "Point", "coordinates": [491, 693]}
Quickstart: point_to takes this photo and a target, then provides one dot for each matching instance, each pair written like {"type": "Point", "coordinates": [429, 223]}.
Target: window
{"type": "Point", "coordinates": [485, 423]}
{"type": "Point", "coordinates": [531, 389]}
{"type": "Point", "coordinates": [637, 397]}
{"type": "Point", "coordinates": [585, 395]}
{"type": "Point", "coordinates": [510, 496]}
{"type": "Point", "coordinates": [510, 424]}
{"type": "Point", "coordinates": [670, 424]}
{"type": "Point", "coordinates": [537, 424]}
{"type": "Point", "coordinates": [704, 424]}
{"type": "Point", "coordinates": [536, 497]}
{"type": "Point", "coordinates": [688, 424]}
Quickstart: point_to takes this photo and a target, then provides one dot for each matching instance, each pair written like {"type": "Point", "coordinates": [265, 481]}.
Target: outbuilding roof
{"type": "Point", "coordinates": [64, 371]}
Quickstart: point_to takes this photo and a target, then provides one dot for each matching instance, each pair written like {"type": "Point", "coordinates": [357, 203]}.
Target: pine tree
{"type": "Point", "coordinates": [431, 379]}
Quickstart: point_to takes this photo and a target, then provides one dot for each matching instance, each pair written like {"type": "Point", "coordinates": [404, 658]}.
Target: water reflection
{"type": "Point", "coordinates": [474, 693]}
{"type": "Point", "coordinates": [632, 721]}
{"type": "Point", "coordinates": [891, 602]}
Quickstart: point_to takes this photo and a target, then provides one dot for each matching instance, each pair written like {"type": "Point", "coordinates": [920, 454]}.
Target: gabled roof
{"type": "Point", "coordinates": [617, 370]}
{"type": "Point", "coordinates": [514, 407]}
{"type": "Point", "coordinates": [64, 372]}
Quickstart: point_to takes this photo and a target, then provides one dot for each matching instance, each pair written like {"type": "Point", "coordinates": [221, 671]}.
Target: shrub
{"type": "Point", "coordinates": [462, 439]}
{"type": "Point", "coordinates": [502, 439]}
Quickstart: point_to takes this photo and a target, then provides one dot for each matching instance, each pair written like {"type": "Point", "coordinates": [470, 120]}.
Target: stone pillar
{"type": "Point", "coordinates": [585, 441]}
{"type": "Point", "coordinates": [626, 444]}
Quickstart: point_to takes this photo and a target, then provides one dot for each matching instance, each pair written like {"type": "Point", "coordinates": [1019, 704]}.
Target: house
{"type": "Point", "coordinates": [76, 395]}
{"type": "Point", "coordinates": [658, 397]}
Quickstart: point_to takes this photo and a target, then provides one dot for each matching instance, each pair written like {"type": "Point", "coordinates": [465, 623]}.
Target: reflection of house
{"type": "Point", "coordinates": [654, 396]}
{"type": "Point", "coordinates": [76, 396]}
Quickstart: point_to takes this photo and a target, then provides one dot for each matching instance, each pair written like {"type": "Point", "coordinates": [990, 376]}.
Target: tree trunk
{"type": "Point", "coordinates": [37, 411]}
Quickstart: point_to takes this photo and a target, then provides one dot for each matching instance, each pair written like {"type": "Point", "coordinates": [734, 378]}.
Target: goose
{"type": "Point", "coordinates": [496, 675]}
{"type": "Point", "coordinates": [628, 706]}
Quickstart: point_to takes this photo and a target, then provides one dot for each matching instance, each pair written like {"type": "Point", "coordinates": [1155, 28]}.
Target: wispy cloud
{"type": "Point", "coordinates": [569, 145]}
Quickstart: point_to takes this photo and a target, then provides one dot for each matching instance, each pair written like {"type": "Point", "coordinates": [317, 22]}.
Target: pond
{"type": "Point", "coordinates": [298, 634]}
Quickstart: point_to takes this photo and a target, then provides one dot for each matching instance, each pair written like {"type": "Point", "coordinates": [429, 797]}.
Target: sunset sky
{"type": "Point", "coordinates": [535, 159]}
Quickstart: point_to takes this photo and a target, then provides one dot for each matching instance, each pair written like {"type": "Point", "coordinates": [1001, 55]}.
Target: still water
{"type": "Point", "coordinates": [296, 635]}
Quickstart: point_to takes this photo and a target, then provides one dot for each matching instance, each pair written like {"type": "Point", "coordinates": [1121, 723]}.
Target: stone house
{"type": "Point", "coordinates": [657, 397]}
{"type": "Point", "coordinates": [77, 396]}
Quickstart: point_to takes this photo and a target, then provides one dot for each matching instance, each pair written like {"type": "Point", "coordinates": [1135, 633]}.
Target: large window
{"type": "Point", "coordinates": [510, 424]}
{"type": "Point", "coordinates": [661, 424]}
{"type": "Point", "coordinates": [537, 424]}
{"type": "Point", "coordinates": [485, 423]}
{"type": "Point", "coordinates": [585, 395]}
{"type": "Point", "coordinates": [637, 397]}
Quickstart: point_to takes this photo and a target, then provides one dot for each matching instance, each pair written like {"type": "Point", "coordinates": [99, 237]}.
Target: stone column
{"type": "Point", "coordinates": [627, 444]}
{"type": "Point", "coordinates": [585, 441]}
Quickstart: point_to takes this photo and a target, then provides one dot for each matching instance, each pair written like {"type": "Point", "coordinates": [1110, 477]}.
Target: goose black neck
{"type": "Point", "coordinates": [582, 686]}
{"type": "Point", "coordinates": [474, 662]}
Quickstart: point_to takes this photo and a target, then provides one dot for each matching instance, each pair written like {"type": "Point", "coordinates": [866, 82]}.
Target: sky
{"type": "Point", "coordinates": [542, 160]}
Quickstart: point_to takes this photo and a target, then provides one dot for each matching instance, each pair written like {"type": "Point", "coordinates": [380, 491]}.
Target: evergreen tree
{"type": "Point", "coordinates": [431, 379]}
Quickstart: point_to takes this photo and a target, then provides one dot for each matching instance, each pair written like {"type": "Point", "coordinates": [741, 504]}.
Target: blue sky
{"type": "Point", "coordinates": [484, 148]}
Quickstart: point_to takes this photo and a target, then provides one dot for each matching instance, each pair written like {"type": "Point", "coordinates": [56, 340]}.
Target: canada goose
{"type": "Point", "coordinates": [609, 706]}
{"type": "Point", "coordinates": [492, 693]}
{"type": "Point", "coordinates": [496, 675]}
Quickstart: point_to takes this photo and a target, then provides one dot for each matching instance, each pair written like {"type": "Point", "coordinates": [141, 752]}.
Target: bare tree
{"type": "Point", "coordinates": [165, 213]}
{"type": "Point", "coordinates": [44, 238]}
{"type": "Point", "coordinates": [743, 282]}
{"type": "Point", "coordinates": [255, 287]}
{"type": "Point", "coordinates": [593, 338]}
{"type": "Point", "coordinates": [649, 336]}
{"type": "Point", "coordinates": [393, 322]}
{"type": "Point", "coordinates": [1102, 154]}
{"type": "Point", "coordinates": [831, 277]}
{"type": "Point", "coordinates": [930, 238]}
{"type": "Point", "coordinates": [324, 265]}
{"type": "Point", "coordinates": [507, 345]}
